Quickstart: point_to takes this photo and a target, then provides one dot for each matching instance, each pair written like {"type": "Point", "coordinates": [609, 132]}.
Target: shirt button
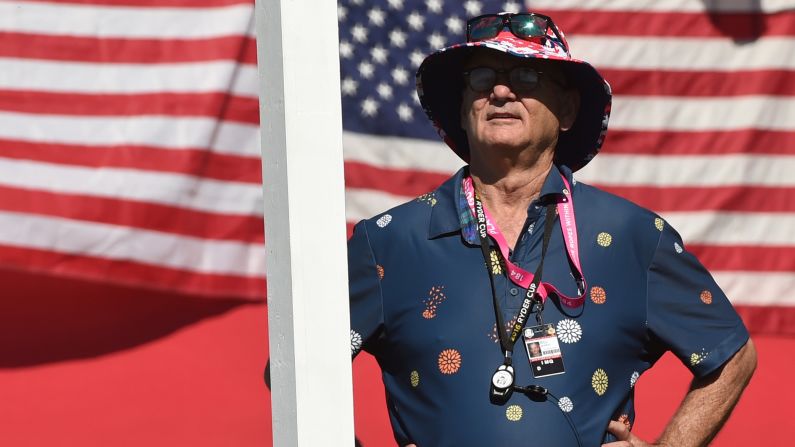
{"type": "Point", "coordinates": [514, 291]}
{"type": "Point", "coordinates": [524, 237]}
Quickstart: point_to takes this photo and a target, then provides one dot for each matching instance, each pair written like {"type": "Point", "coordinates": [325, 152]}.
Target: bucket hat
{"type": "Point", "coordinates": [440, 83]}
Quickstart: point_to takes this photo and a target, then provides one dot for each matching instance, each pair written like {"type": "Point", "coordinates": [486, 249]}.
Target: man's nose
{"type": "Point", "coordinates": [502, 90]}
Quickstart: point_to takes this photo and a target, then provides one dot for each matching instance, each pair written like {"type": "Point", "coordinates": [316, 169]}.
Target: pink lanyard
{"type": "Point", "coordinates": [522, 277]}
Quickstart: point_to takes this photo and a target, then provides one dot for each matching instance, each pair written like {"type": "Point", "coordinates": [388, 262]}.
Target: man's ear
{"type": "Point", "coordinates": [569, 108]}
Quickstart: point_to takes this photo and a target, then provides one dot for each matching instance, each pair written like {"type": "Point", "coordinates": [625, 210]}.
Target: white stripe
{"type": "Point", "coordinates": [159, 131]}
{"type": "Point", "coordinates": [732, 228]}
{"type": "Point", "coordinates": [128, 184]}
{"type": "Point", "coordinates": [124, 22]}
{"type": "Point", "coordinates": [690, 170]}
{"type": "Point", "coordinates": [702, 228]}
{"type": "Point", "coordinates": [686, 54]}
{"type": "Point", "coordinates": [757, 288]}
{"type": "Point", "coordinates": [84, 77]}
{"type": "Point", "coordinates": [688, 114]}
{"type": "Point", "coordinates": [400, 153]}
{"type": "Point", "coordinates": [768, 6]}
{"type": "Point", "coordinates": [125, 244]}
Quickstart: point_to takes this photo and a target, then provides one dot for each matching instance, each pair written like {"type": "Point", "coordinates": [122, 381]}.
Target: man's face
{"type": "Point", "coordinates": [505, 118]}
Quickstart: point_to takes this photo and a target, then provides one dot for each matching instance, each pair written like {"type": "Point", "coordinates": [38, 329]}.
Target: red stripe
{"type": "Point", "coordinates": [743, 141]}
{"type": "Point", "coordinates": [134, 214]}
{"type": "Point", "coordinates": [701, 83]}
{"type": "Point", "coordinates": [393, 181]}
{"type": "Point", "coordinates": [777, 320]}
{"type": "Point", "coordinates": [133, 273]}
{"type": "Point", "coordinates": [151, 3]}
{"type": "Point", "coordinates": [745, 257]}
{"type": "Point", "coordinates": [734, 25]}
{"type": "Point", "coordinates": [726, 198]}
{"type": "Point", "coordinates": [118, 50]}
{"type": "Point", "coordinates": [222, 106]}
{"type": "Point", "coordinates": [196, 162]}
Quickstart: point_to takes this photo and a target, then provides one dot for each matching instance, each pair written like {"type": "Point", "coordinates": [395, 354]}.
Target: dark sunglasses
{"type": "Point", "coordinates": [522, 79]}
{"type": "Point", "coordinates": [525, 25]}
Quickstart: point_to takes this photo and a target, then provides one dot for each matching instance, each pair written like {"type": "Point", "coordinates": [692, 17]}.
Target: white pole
{"type": "Point", "coordinates": [309, 329]}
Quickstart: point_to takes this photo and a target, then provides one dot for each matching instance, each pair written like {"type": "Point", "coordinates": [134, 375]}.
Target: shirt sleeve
{"type": "Point", "coordinates": [687, 313]}
{"type": "Point", "coordinates": [366, 307]}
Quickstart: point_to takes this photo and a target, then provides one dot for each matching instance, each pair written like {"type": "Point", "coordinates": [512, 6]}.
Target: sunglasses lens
{"type": "Point", "coordinates": [484, 28]}
{"type": "Point", "coordinates": [529, 26]}
{"type": "Point", "coordinates": [482, 79]}
{"type": "Point", "coordinates": [524, 79]}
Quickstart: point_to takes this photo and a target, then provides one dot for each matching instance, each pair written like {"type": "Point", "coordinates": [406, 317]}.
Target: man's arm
{"type": "Point", "coordinates": [705, 408]}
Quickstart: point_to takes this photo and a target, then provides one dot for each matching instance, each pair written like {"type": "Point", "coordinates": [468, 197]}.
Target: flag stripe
{"type": "Point", "coordinates": [664, 142]}
{"type": "Point", "coordinates": [118, 50]}
{"type": "Point", "coordinates": [758, 288]}
{"type": "Point", "coordinates": [184, 191]}
{"type": "Point", "coordinates": [214, 105]}
{"type": "Point", "coordinates": [696, 84]}
{"type": "Point", "coordinates": [154, 4]}
{"type": "Point", "coordinates": [211, 165]}
{"type": "Point", "coordinates": [133, 20]}
{"type": "Point", "coordinates": [82, 77]}
{"type": "Point", "coordinates": [133, 273]}
{"type": "Point", "coordinates": [160, 131]}
{"type": "Point", "coordinates": [135, 245]}
{"type": "Point", "coordinates": [737, 25]}
{"type": "Point", "coordinates": [745, 258]}
{"type": "Point", "coordinates": [135, 214]}
{"type": "Point", "coordinates": [761, 6]}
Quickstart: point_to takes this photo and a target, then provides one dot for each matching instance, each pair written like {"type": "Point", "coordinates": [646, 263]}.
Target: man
{"type": "Point", "coordinates": [513, 248]}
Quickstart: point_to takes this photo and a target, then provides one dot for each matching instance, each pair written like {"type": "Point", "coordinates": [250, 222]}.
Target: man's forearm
{"type": "Point", "coordinates": [710, 401]}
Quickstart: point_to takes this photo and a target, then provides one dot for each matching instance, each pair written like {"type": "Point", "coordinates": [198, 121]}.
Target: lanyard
{"type": "Point", "coordinates": [521, 277]}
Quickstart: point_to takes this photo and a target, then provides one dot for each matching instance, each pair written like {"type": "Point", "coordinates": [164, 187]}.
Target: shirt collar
{"type": "Point", "coordinates": [451, 213]}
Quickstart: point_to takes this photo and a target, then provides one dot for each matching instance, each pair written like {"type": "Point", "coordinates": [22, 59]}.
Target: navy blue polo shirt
{"type": "Point", "coordinates": [421, 304]}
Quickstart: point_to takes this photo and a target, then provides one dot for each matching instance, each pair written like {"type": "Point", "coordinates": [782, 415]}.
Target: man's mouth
{"type": "Point", "coordinates": [501, 115]}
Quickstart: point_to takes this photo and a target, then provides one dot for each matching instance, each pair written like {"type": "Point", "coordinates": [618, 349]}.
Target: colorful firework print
{"type": "Point", "coordinates": [508, 325]}
{"type": "Point", "coordinates": [435, 297]}
{"type": "Point", "coordinates": [633, 379]}
{"type": "Point", "coordinates": [414, 378]}
{"type": "Point", "coordinates": [569, 331]}
{"type": "Point", "coordinates": [380, 271]}
{"type": "Point", "coordinates": [356, 342]}
{"type": "Point", "coordinates": [624, 419]}
{"type": "Point", "coordinates": [429, 198]}
{"type": "Point", "coordinates": [449, 361]}
{"type": "Point", "coordinates": [598, 295]}
{"type": "Point", "coordinates": [604, 239]}
{"type": "Point", "coordinates": [513, 413]}
{"type": "Point", "coordinates": [496, 263]}
{"type": "Point", "coordinates": [384, 220]}
{"type": "Point", "coordinates": [698, 357]}
{"type": "Point", "coordinates": [565, 404]}
{"type": "Point", "coordinates": [659, 223]}
{"type": "Point", "coordinates": [678, 248]}
{"type": "Point", "coordinates": [706, 296]}
{"type": "Point", "coordinates": [599, 381]}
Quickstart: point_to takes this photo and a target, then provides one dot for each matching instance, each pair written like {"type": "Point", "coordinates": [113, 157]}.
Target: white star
{"type": "Point", "coordinates": [369, 107]}
{"type": "Point", "coordinates": [366, 69]}
{"type": "Point", "coordinates": [342, 13]}
{"type": "Point", "coordinates": [415, 20]}
{"type": "Point", "coordinates": [400, 75]}
{"type": "Point", "coordinates": [404, 112]}
{"type": "Point", "coordinates": [384, 90]}
{"type": "Point", "coordinates": [348, 86]}
{"type": "Point", "coordinates": [416, 57]}
{"type": "Point", "coordinates": [434, 5]}
{"type": "Point", "coordinates": [472, 7]}
{"type": "Point", "coordinates": [376, 16]}
{"type": "Point", "coordinates": [395, 4]}
{"type": "Point", "coordinates": [359, 33]}
{"type": "Point", "coordinates": [510, 6]}
{"type": "Point", "coordinates": [454, 24]}
{"type": "Point", "coordinates": [398, 38]}
{"type": "Point", "coordinates": [379, 54]}
{"type": "Point", "coordinates": [436, 40]}
{"type": "Point", "coordinates": [346, 49]}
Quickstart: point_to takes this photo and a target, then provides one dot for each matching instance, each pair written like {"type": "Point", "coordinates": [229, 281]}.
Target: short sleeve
{"type": "Point", "coordinates": [367, 316]}
{"type": "Point", "coordinates": [686, 310]}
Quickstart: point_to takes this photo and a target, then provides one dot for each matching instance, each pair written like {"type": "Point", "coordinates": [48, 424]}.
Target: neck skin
{"type": "Point", "coordinates": [507, 185]}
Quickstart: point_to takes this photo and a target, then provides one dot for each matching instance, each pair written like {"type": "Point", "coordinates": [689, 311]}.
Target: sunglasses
{"type": "Point", "coordinates": [522, 79]}
{"type": "Point", "coordinates": [525, 25]}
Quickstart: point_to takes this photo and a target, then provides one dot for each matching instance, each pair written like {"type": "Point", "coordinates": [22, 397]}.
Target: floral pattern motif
{"type": "Point", "coordinates": [696, 357]}
{"type": "Point", "coordinates": [706, 296]}
{"type": "Point", "coordinates": [384, 220]}
{"type": "Point", "coordinates": [414, 378]}
{"type": "Point", "coordinates": [633, 378]}
{"type": "Point", "coordinates": [380, 271]}
{"type": "Point", "coordinates": [429, 198]}
{"type": "Point", "coordinates": [598, 295]}
{"type": "Point", "coordinates": [496, 263]}
{"type": "Point", "coordinates": [449, 361]}
{"type": "Point", "coordinates": [494, 336]}
{"type": "Point", "coordinates": [356, 342]}
{"type": "Point", "coordinates": [678, 248]}
{"type": "Point", "coordinates": [659, 223]}
{"type": "Point", "coordinates": [599, 381]}
{"type": "Point", "coordinates": [513, 413]}
{"type": "Point", "coordinates": [569, 331]}
{"type": "Point", "coordinates": [565, 404]}
{"type": "Point", "coordinates": [435, 297]}
{"type": "Point", "coordinates": [604, 239]}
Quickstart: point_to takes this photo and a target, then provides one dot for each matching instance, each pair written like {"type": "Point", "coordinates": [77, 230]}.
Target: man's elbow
{"type": "Point", "coordinates": [746, 359]}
